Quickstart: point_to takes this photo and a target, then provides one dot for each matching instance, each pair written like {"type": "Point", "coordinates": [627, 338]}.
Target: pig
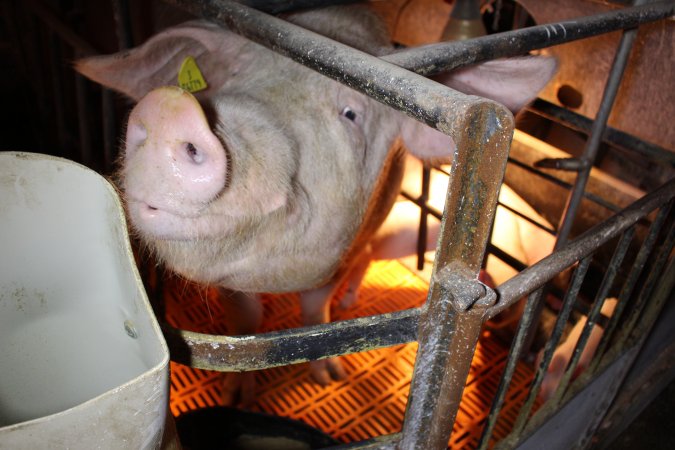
{"type": "Point", "coordinates": [272, 178]}
{"type": "Point", "coordinates": [564, 352]}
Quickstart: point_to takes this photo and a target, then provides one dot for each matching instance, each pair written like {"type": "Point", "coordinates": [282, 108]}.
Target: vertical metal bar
{"type": "Point", "coordinates": [519, 341]}
{"type": "Point", "coordinates": [86, 155]}
{"type": "Point", "coordinates": [563, 316]}
{"type": "Point", "coordinates": [608, 280]}
{"type": "Point", "coordinates": [664, 292]}
{"type": "Point", "coordinates": [645, 294]}
{"type": "Point", "coordinates": [122, 24]}
{"type": "Point", "coordinates": [627, 289]}
{"type": "Point", "coordinates": [591, 150]}
{"type": "Point", "coordinates": [109, 129]}
{"type": "Point", "coordinates": [424, 218]}
{"type": "Point", "coordinates": [58, 100]}
{"type": "Point", "coordinates": [451, 321]}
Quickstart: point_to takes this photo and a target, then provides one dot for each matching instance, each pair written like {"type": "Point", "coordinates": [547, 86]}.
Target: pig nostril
{"type": "Point", "coordinates": [193, 152]}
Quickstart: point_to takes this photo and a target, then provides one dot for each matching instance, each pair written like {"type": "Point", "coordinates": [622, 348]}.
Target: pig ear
{"type": "Point", "coordinates": [513, 82]}
{"type": "Point", "coordinates": [156, 63]}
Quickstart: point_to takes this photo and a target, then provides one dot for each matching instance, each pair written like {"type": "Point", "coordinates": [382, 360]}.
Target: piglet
{"type": "Point", "coordinates": [263, 180]}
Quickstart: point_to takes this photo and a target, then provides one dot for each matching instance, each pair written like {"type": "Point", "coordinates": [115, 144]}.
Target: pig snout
{"type": "Point", "coordinates": [176, 162]}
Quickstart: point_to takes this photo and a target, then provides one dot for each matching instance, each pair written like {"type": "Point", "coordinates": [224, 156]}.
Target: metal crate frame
{"type": "Point", "coordinates": [448, 325]}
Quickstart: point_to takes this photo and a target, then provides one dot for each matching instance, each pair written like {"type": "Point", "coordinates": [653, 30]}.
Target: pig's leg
{"type": "Point", "coordinates": [243, 314]}
{"type": "Point", "coordinates": [315, 306]}
{"type": "Point", "coordinates": [355, 277]}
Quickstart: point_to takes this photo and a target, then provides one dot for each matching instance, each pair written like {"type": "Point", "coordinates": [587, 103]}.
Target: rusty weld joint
{"type": "Point", "coordinates": [465, 290]}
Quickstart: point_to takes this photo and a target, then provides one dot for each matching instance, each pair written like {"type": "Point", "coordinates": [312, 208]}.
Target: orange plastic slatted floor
{"type": "Point", "coordinates": [372, 400]}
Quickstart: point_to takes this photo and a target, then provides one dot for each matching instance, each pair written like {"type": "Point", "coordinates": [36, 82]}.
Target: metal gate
{"type": "Point", "coordinates": [448, 325]}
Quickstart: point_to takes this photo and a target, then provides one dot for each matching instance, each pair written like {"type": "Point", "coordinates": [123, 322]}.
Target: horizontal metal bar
{"type": "Point", "coordinates": [279, 348]}
{"type": "Point", "coordinates": [611, 135]}
{"type": "Point", "coordinates": [435, 58]}
{"type": "Point", "coordinates": [535, 276]}
{"type": "Point", "coordinates": [548, 177]}
{"type": "Point", "coordinates": [425, 100]}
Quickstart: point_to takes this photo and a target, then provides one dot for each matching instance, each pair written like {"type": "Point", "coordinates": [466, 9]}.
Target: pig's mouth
{"type": "Point", "coordinates": [157, 222]}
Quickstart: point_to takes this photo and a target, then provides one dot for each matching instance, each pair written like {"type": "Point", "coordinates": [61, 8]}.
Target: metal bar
{"type": "Point", "coordinates": [611, 135]}
{"type": "Point", "coordinates": [517, 347]}
{"type": "Point", "coordinates": [86, 154]}
{"type": "Point", "coordinates": [663, 293]}
{"type": "Point", "coordinates": [109, 122]}
{"type": "Point", "coordinates": [60, 29]}
{"type": "Point", "coordinates": [591, 320]}
{"type": "Point", "coordinates": [536, 275]}
{"type": "Point", "coordinates": [423, 227]}
{"type": "Point", "coordinates": [645, 294]}
{"type": "Point", "coordinates": [435, 58]}
{"type": "Point", "coordinates": [239, 353]}
{"type": "Point", "coordinates": [122, 24]}
{"type": "Point", "coordinates": [58, 99]}
{"type": "Point", "coordinates": [279, 6]}
{"type": "Point", "coordinates": [587, 195]}
{"type": "Point", "coordinates": [425, 100]}
{"type": "Point", "coordinates": [590, 151]}
{"type": "Point", "coordinates": [630, 283]}
{"type": "Point", "coordinates": [452, 318]}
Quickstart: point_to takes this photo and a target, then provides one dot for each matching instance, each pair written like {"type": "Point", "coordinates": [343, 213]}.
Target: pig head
{"type": "Point", "coordinates": [262, 181]}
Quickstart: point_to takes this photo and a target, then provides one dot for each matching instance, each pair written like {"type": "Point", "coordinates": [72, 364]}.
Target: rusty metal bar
{"type": "Point", "coordinates": [619, 254]}
{"type": "Point", "coordinates": [613, 136]}
{"type": "Point", "coordinates": [435, 58]}
{"type": "Point", "coordinates": [519, 342]}
{"type": "Point", "coordinates": [451, 321]}
{"type": "Point", "coordinates": [664, 291]}
{"type": "Point", "coordinates": [636, 311]}
{"type": "Point", "coordinates": [630, 283]}
{"type": "Point", "coordinates": [279, 348]}
{"type": "Point", "coordinates": [535, 276]}
{"type": "Point", "coordinates": [590, 151]}
{"type": "Point", "coordinates": [425, 100]}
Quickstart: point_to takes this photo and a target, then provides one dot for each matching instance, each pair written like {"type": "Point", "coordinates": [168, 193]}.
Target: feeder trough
{"type": "Point", "coordinates": [83, 363]}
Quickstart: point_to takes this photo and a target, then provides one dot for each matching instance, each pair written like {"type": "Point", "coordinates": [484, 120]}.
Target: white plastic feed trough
{"type": "Point", "coordinates": [83, 363]}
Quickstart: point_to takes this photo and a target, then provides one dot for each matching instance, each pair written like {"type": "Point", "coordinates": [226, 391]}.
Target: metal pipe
{"type": "Point", "coordinates": [611, 135]}
{"type": "Point", "coordinates": [425, 100]}
{"type": "Point", "coordinates": [518, 344]}
{"type": "Point", "coordinates": [279, 348]}
{"type": "Point", "coordinates": [435, 58]}
{"type": "Point", "coordinates": [535, 276]}
{"type": "Point", "coordinates": [452, 318]}
{"type": "Point", "coordinates": [631, 281]}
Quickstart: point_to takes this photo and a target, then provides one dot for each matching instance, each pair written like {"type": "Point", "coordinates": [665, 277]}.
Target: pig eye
{"type": "Point", "coordinates": [349, 113]}
{"type": "Point", "coordinates": [195, 155]}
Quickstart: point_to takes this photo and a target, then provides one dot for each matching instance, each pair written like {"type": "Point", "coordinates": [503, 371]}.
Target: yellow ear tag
{"type": "Point", "coordinates": [190, 77]}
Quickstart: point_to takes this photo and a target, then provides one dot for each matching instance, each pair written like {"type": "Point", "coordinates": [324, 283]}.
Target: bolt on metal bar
{"type": "Point", "coordinates": [435, 58]}
{"type": "Point", "coordinates": [452, 317]}
{"type": "Point", "coordinates": [518, 343]}
{"type": "Point", "coordinates": [536, 275]}
{"type": "Point", "coordinates": [629, 285]}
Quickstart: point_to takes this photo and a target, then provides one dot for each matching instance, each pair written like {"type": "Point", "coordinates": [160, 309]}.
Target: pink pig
{"type": "Point", "coordinates": [266, 181]}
